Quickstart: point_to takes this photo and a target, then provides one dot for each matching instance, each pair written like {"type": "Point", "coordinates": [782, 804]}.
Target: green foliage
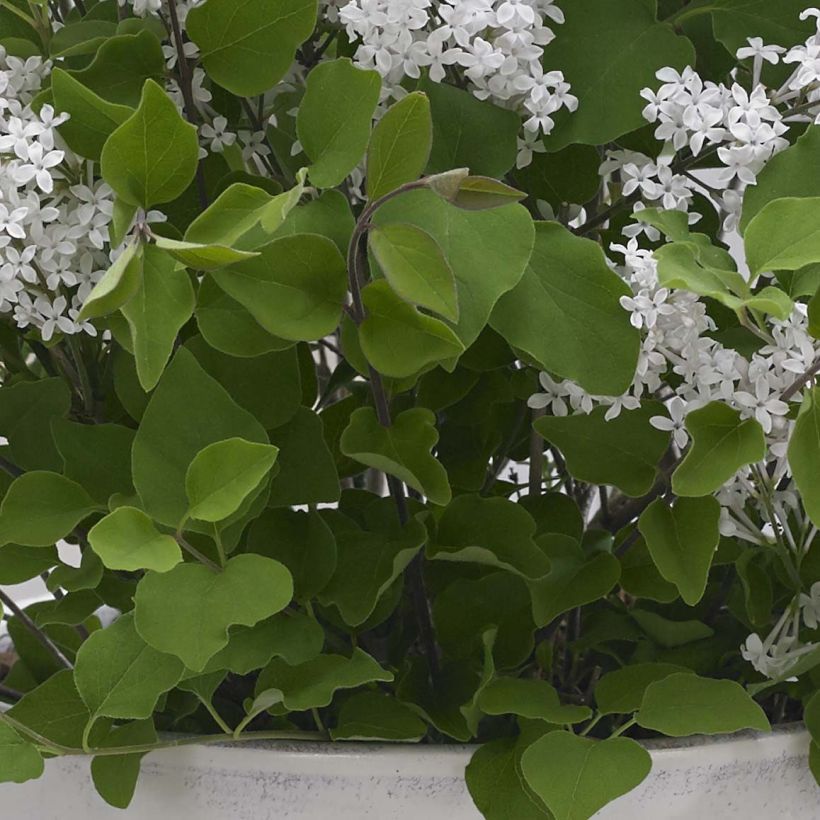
{"type": "Point", "coordinates": [721, 445]}
{"type": "Point", "coordinates": [334, 119]}
{"type": "Point", "coordinates": [400, 145]}
{"type": "Point", "coordinates": [93, 119]}
{"type": "Point", "coordinates": [346, 434]}
{"type": "Point", "coordinates": [416, 268]}
{"type": "Point", "coordinates": [683, 704]}
{"type": "Point", "coordinates": [804, 453]}
{"type": "Point", "coordinates": [568, 286]}
{"type": "Point", "coordinates": [624, 452]}
{"type": "Point", "coordinates": [223, 474]}
{"type": "Point", "coordinates": [249, 52]}
{"type": "Point", "coordinates": [42, 507]}
{"type": "Point", "coordinates": [399, 340]}
{"type": "Point", "coordinates": [783, 235]}
{"type": "Point", "coordinates": [127, 539]}
{"type": "Point", "coordinates": [401, 450]}
{"type": "Point", "coordinates": [682, 540]}
{"type": "Point", "coordinates": [295, 288]}
{"type": "Point", "coordinates": [576, 776]}
{"type": "Point", "coordinates": [377, 716]}
{"type": "Point", "coordinates": [608, 65]}
{"type": "Point", "coordinates": [188, 411]}
{"type": "Point", "coordinates": [187, 611]}
{"type": "Point", "coordinates": [166, 144]}
{"type": "Point", "coordinates": [119, 676]}
{"type": "Point", "coordinates": [487, 250]}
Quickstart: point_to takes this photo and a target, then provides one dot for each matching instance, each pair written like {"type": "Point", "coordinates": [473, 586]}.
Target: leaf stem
{"type": "Point", "coordinates": [624, 727]}
{"type": "Point", "coordinates": [195, 553]}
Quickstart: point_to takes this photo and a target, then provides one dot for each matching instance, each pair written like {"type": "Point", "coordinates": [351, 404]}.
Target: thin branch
{"type": "Point", "coordinates": [35, 630]}
{"type": "Point", "coordinates": [797, 385]}
{"type": "Point", "coordinates": [536, 479]}
{"type": "Point", "coordinates": [186, 85]}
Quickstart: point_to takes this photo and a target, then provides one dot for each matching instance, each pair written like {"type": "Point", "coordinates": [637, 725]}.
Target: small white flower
{"type": "Point", "coordinates": [675, 423]}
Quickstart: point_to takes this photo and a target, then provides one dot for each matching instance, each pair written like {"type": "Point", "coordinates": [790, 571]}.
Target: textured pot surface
{"type": "Point", "coordinates": [756, 777]}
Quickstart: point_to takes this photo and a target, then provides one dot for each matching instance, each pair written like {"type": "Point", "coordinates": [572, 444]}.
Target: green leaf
{"type": "Point", "coordinates": [92, 119]}
{"type": "Point", "coordinates": [295, 288]}
{"type": "Point", "coordinates": [485, 193]}
{"type": "Point", "coordinates": [399, 340]}
{"type": "Point", "coordinates": [115, 776]}
{"type": "Point", "coordinates": [487, 250]}
{"type": "Point", "coordinates": [784, 235]}
{"type": "Point", "coordinates": [117, 286]}
{"type": "Point", "coordinates": [19, 564]}
{"type": "Point", "coordinates": [202, 257]}
{"type": "Point", "coordinates": [496, 785]}
{"type": "Point", "coordinates": [621, 692]}
{"type": "Point", "coordinates": [402, 450]}
{"type": "Point", "coordinates": [328, 215]}
{"type": "Point", "coordinates": [127, 539]}
{"type": "Point", "coordinates": [399, 145]}
{"type": "Point", "coordinates": [415, 266]}
{"type": "Point", "coordinates": [232, 219]}
{"type": "Point", "coordinates": [791, 173]}
{"type": "Point", "coordinates": [670, 634]}
{"type": "Point", "coordinates": [682, 704]}
{"type": "Point", "coordinates": [302, 542]}
{"type": "Point", "coordinates": [529, 698]}
{"type": "Point", "coordinates": [162, 305]}
{"type": "Point", "coordinates": [377, 716]}
{"type": "Point", "coordinates": [27, 410]}
{"type": "Point", "coordinates": [223, 474]}
{"type": "Point", "coordinates": [312, 684]}
{"type": "Point", "coordinates": [98, 456]}
{"type": "Point", "coordinates": [290, 635]}
{"type": "Point", "coordinates": [55, 710]}
{"type": "Point", "coordinates": [682, 541]}
{"type": "Point", "coordinates": [333, 123]}
{"type": "Point", "coordinates": [573, 580]}
{"type": "Point", "coordinates": [188, 411]}
{"type": "Point", "coordinates": [721, 445]}
{"type": "Point", "coordinates": [569, 288]}
{"type": "Point", "coordinates": [83, 37]}
{"type": "Point", "coordinates": [685, 265]}
{"type": "Point", "coordinates": [187, 611]}
{"type": "Point", "coordinates": [152, 157]}
{"type": "Point", "coordinates": [467, 608]}
{"type": "Point", "coordinates": [608, 64]}
{"type": "Point", "coordinates": [623, 452]}
{"type": "Point", "coordinates": [248, 50]}
{"type": "Point", "coordinates": [121, 67]}
{"type": "Point", "coordinates": [490, 531]}
{"type": "Point", "coordinates": [385, 550]}
{"type": "Point", "coordinates": [19, 760]}
{"type": "Point", "coordinates": [804, 454]}
{"type": "Point", "coordinates": [269, 386]}
{"type": "Point", "coordinates": [576, 776]}
{"type": "Point", "coordinates": [567, 176]}
{"type": "Point", "coordinates": [228, 327]}
{"type": "Point", "coordinates": [736, 20]}
{"type": "Point", "coordinates": [307, 473]}
{"type": "Point", "coordinates": [811, 716]}
{"type": "Point", "coordinates": [119, 676]}
{"type": "Point", "coordinates": [41, 507]}
{"type": "Point", "coordinates": [470, 133]}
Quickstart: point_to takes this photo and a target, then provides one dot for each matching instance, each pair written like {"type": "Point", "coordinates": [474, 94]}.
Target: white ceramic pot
{"type": "Point", "coordinates": [750, 776]}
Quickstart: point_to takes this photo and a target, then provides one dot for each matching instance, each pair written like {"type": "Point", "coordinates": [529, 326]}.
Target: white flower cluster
{"type": "Point", "coordinates": [495, 45]}
{"type": "Point", "coordinates": [743, 128]}
{"type": "Point", "coordinates": [54, 216]}
{"type": "Point", "coordinates": [675, 342]}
